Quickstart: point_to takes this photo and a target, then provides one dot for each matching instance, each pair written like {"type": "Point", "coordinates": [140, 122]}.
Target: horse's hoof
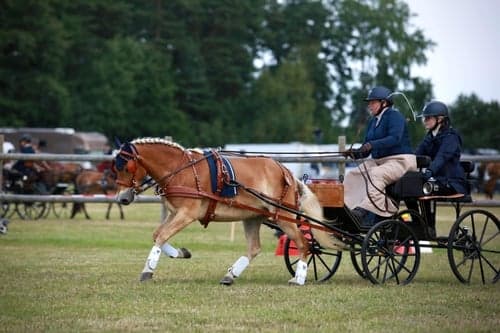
{"type": "Point", "coordinates": [227, 281]}
{"type": "Point", "coordinates": [293, 282]}
{"type": "Point", "coordinates": [146, 276]}
{"type": "Point", "coordinates": [184, 253]}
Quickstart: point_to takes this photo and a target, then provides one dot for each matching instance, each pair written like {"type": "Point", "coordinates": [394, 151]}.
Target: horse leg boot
{"type": "Point", "coordinates": [151, 263]}
{"type": "Point", "coordinates": [172, 252]}
{"type": "Point", "coordinates": [235, 271]}
{"type": "Point", "coordinates": [300, 274]}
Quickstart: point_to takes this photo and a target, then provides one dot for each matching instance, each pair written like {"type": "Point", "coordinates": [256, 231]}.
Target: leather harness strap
{"type": "Point", "coordinates": [188, 192]}
{"type": "Point", "coordinates": [212, 204]}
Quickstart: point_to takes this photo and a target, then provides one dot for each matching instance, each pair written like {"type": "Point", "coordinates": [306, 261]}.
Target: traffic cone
{"type": "Point", "coordinates": [400, 249]}
{"type": "Point", "coordinates": [280, 248]}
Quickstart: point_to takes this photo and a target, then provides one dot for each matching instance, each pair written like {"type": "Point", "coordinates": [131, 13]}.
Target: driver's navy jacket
{"type": "Point", "coordinates": [390, 136]}
{"type": "Point", "coordinates": [444, 150]}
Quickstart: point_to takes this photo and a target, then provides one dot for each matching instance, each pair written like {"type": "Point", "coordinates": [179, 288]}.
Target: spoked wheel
{"type": "Point", "coordinates": [390, 253]}
{"type": "Point", "coordinates": [6, 209]}
{"type": "Point", "coordinates": [61, 209]}
{"type": "Point", "coordinates": [30, 210]}
{"type": "Point", "coordinates": [474, 247]}
{"type": "Point", "coordinates": [356, 261]}
{"type": "Point", "coordinates": [321, 263]}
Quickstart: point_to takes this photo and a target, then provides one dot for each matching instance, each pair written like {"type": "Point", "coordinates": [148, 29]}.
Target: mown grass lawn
{"type": "Point", "coordinates": [82, 276]}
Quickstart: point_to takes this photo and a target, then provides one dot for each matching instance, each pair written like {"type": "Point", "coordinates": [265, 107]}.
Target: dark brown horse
{"type": "Point", "coordinates": [90, 182]}
{"type": "Point", "coordinates": [267, 191]}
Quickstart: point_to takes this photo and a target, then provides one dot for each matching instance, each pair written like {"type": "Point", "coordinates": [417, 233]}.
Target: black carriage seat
{"type": "Point", "coordinates": [468, 167]}
{"type": "Point", "coordinates": [412, 183]}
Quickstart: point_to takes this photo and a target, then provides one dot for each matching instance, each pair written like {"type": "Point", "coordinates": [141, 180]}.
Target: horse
{"type": "Point", "coordinates": [493, 171]}
{"type": "Point", "coordinates": [266, 192]}
{"type": "Point", "coordinates": [95, 182]}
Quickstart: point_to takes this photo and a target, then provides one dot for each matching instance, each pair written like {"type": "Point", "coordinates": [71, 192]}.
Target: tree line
{"type": "Point", "coordinates": [210, 72]}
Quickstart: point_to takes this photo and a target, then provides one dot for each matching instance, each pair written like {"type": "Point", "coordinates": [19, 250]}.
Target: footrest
{"type": "Point", "coordinates": [452, 197]}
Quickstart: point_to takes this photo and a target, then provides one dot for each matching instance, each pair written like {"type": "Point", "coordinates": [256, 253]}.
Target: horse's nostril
{"type": "Point", "coordinates": [124, 201]}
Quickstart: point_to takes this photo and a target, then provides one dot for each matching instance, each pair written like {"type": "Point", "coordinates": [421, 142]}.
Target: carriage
{"type": "Point", "coordinates": [319, 227]}
{"type": "Point", "coordinates": [390, 251]}
{"type": "Point", "coordinates": [56, 181]}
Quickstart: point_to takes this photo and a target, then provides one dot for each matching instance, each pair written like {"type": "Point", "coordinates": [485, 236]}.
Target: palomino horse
{"type": "Point", "coordinates": [95, 182]}
{"type": "Point", "coordinates": [267, 191]}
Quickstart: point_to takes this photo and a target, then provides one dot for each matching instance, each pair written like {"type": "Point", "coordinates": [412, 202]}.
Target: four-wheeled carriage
{"type": "Point", "coordinates": [389, 251]}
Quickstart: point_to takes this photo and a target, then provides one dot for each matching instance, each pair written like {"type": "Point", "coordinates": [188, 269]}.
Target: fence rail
{"type": "Point", "coordinates": [306, 158]}
{"type": "Point", "coordinates": [153, 199]}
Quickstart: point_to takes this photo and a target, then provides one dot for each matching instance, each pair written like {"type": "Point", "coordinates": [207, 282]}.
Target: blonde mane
{"type": "Point", "coordinates": [163, 141]}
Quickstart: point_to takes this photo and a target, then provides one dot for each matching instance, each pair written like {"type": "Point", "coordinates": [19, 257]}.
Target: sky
{"type": "Point", "coordinates": [466, 58]}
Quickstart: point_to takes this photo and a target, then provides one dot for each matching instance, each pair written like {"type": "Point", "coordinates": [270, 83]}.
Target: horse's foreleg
{"type": "Point", "coordinates": [161, 235]}
{"type": "Point", "coordinates": [121, 212]}
{"type": "Point", "coordinates": [252, 228]}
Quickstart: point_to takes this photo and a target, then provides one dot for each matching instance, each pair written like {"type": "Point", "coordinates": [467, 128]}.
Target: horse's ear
{"type": "Point", "coordinates": [117, 143]}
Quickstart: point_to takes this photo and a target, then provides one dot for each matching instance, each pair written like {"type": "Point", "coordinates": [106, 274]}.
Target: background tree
{"type": "Point", "coordinates": [207, 72]}
{"type": "Point", "coordinates": [476, 121]}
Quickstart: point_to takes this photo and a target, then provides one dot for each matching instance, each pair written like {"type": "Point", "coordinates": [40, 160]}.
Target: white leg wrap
{"type": "Point", "coordinates": [169, 250]}
{"type": "Point", "coordinates": [239, 266]}
{"type": "Point", "coordinates": [301, 272]}
{"type": "Point", "coordinates": [153, 258]}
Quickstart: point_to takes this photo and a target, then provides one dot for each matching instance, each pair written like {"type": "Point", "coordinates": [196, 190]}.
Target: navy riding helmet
{"type": "Point", "coordinates": [435, 109]}
{"type": "Point", "coordinates": [379, 93]}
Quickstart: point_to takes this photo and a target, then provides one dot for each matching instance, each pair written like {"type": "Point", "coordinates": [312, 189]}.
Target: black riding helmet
{"type": "Point", "coordinates": [25, 137]}
{"type": "Point", "coordinates": [379, 93]}
{"type": "Point", "coordinates": [435, 109]}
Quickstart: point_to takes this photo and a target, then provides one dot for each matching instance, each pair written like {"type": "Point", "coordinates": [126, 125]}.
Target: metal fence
{"type": "Point", "coordinates": [153, 199]}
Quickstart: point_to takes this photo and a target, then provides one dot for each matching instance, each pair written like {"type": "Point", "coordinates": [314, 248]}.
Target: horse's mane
{"type": "Point", "coordinates": [162, 141]}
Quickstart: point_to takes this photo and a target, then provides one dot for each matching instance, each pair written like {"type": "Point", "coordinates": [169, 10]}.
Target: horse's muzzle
{"type": "Point", "coordinates": [125, 197]}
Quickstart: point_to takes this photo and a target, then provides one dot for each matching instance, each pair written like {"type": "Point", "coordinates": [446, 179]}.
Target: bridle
{"type": "Point", "coordinates": [133, 158]}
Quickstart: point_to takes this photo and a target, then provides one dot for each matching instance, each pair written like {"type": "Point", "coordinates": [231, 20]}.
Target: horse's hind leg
{"type": "Point", "coordinates": [294, 233]}
{"type": "Point", "coordinates": [252, 229]}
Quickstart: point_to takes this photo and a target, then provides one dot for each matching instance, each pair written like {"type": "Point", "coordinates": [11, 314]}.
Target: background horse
{"type": "Point", "coordinates": [95, 182]}
{"type": "Point", "coordinates": [267, 191]}
{"type": "Point", "coordinates": [492, 169]}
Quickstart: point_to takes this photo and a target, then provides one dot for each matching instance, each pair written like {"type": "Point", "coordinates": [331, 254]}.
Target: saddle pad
{"type": "Point", "coordinates": [228, 191]}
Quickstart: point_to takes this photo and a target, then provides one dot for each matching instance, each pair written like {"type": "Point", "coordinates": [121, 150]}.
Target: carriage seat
{"type": "Point", "coordinates": [412, 183]}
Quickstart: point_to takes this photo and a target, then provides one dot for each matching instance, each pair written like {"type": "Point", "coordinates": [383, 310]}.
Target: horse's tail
{"type": "Point", "coordinates": [311, 206]}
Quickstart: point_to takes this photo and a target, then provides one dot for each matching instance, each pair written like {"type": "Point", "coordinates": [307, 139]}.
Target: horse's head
{"type": "Point", "coordinates": [129, 173]}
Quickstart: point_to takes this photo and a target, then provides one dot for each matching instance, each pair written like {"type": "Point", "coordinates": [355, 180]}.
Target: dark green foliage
{"type": "Point", "coordinates": [185, 69]}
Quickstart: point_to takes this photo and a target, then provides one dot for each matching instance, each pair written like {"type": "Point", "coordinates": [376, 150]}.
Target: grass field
{"type": "Point", "coordinates": [82, 276]}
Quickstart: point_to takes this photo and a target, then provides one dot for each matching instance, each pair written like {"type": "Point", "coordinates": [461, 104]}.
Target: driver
{"type": "Point", "coordinates": [388, 143]}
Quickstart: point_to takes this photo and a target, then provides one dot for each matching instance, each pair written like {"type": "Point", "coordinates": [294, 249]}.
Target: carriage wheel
{"type": "Point", "coordinates": [390, 253]}
{"type": "Point", "coordinates": [474, 247]}
{"type": "Point", "coordinates": [30, 210]}
{"type": "Point", "coordinates": [61, 209]}
{"type": "Point", "coordinates": [321, 263]}
{"type": "Point", "coordinates": [356, 261]}
{"type": "Point", "coordinates": [6, 209]}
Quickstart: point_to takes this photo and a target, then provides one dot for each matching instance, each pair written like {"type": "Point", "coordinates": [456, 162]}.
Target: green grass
{"type": "Point", "coordinates": [82, 276]}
